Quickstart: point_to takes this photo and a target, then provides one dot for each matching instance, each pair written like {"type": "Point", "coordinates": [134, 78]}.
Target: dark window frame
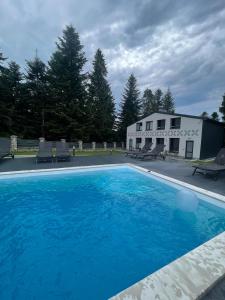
{"type": "Point", "coordinates": [150, 127]}
{"type": "Point", "coordinates": [176, 126]}
{"type": "Point", "coordinates": [138, 144]}
{"type": "Point", "coordinates": [160, 127]}
{"type": "Point", "coordinates": [139, 126]}
{"type": "Point", "coordinates": [170, 142]}
{"type": "Point", "coordinates": [160, 141]}
{"type": "Point", "coordinates": [148, 140]}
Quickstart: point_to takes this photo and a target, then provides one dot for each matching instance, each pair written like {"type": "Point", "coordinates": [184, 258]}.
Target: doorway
{"type": "Point", "coordinates": [189, 149]}
{"type": "Point", "coordinates": [138, 143]}
{"type": "Point", "coordinates": [148, 142]}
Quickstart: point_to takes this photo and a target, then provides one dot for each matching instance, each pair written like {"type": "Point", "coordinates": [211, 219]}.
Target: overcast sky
{"type": "Point", "coordinates": [178, 44]}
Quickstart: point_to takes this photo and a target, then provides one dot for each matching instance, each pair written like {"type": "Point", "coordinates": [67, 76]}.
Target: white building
{"type": "Point", "coordinates": [184, 135]}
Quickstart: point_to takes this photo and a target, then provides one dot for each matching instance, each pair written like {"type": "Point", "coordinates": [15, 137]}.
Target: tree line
{"type": "Point", "coordinates": [59, 100]}
{"type": "Point", "coordinates": [215, 116]}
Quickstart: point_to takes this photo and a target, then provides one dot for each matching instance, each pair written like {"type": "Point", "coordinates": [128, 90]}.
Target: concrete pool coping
{"type": "Point", "coordinates": [190, 276]}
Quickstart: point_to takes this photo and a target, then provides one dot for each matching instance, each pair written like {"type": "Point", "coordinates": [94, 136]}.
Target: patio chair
{"type": "Point", "coordinates": [5, 148]}
{"type": "Point", "coordinates": [62, 151]}
{"type": "Point", "coordinates": [44, 152]}
{"type": "Point", "coordinates": [144, 149]}
{"type": "Point", "coordinates": [154, 153]}
{"type": "Point", "coordinates": [214, 168]}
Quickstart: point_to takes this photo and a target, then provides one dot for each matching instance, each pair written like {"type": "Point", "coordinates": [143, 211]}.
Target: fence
{"type": "Point", "coordinates": [27, 144]}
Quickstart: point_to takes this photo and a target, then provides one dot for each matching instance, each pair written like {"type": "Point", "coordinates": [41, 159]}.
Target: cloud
{"type": "Point", "coordinates": [168, 43]}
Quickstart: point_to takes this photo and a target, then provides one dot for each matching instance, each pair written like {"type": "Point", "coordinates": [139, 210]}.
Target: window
{"type": "Point", "coordinates": [138, 143]}
{"type": "Point", "coordinates": [138, 126]}
{"type": "Point", "coordinates": [174, 145]}
{"type": "Point", "coordinates": [175, 123]}
{"type": "Point", "coordinates": [159, 141]}
{"type": "Point", "coordinates": [161, 124]}
{"type": "Point", "coordinates": [149, 125]}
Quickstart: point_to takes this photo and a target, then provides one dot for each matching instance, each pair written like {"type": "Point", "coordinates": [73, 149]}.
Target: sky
{"type": "Point", "coordinates": [166, 44]}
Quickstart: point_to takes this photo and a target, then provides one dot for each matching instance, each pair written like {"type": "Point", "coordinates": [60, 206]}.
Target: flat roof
{"type": "Point", "coordinates": [186, 116]}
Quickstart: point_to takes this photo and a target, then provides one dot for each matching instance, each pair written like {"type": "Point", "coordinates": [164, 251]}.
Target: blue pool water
{"type": "Point", "coordinates": [90, 234]}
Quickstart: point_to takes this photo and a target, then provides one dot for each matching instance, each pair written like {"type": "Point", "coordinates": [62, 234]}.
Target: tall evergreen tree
{"type": "Point", "coordinates": [101, 100]}
{"type": "Point", "coordinates": [215, 116]}
{"type": "Point", "coordinates": [168, 102]}
{"type": "Point", "coordinates": [36, 97]}
{"type": "Point", "coordinates": [67, 86]}
{"type": "Point", "coordinates": [10, 95]}
{"type": "Point", "coordinates": [204, 114]}
{"type": "Point", "coordinates": [157, 100]}
{"type": "Point", "coordinates": [222, 108]}
{"type": "Point", "coordinates": [148, 103]}
{"type": "Point", "coordinates": [130, 106]}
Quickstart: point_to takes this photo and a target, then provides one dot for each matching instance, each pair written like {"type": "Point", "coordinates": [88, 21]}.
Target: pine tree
{"type": "Point", "coordinates": [101, 101]}
{"type": "Point", "coordinates": [204, 114]}
{"type": "Point", "coordinates": [130, 106]}
{"type": "Point", "coordinates": [168, 102]}
{"type": "Point", "coordinates": [148, 103]}
{"type": "Point", "coordinates": [67, 86]}
{"type": "Point", "coordinates": [36, 98]}
{"type": "Point", "coordinates": [10, 95]}
{"type": "Point", "coordinates": [222, 108]}
{"type": "Point", "coordinates": [157, 100]}
{"type": "Point", "coordinates": [215, 116]}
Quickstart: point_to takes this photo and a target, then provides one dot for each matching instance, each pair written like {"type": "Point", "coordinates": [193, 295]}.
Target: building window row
{"type": "Point", "coordinates": [161, 124]}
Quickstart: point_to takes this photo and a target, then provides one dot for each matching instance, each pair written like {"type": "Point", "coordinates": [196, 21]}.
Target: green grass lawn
{"type": "Point", "coordinates": [77, 153]}
{"type": "Point", "coordinates": [198, 161]}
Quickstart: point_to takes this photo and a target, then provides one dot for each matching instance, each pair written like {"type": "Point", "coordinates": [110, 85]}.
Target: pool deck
{"type": "Point", "coordinates": [178, 169]}
{"type": "Point", "coordinates": [207, 270]}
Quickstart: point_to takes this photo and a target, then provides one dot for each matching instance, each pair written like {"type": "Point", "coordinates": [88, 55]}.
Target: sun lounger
{"type": "Point", "coordinates": [145, 149]}
{"type": "Point", "coordinates": [5, 148]}
{"type": "Point", "coordinates": [134, 153]}
{"type": "Point", "coordinates": [45, 152]}
{"type": "Point", "coordinates": [154, 153]}
{"type": "Point", "coordinates": [213, 168]}
{"type": "Point", "coordinates": [62, 151]}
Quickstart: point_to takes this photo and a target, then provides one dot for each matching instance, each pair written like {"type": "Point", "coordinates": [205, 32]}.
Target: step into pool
{"type": "Point", "coordinates": [90, 233]}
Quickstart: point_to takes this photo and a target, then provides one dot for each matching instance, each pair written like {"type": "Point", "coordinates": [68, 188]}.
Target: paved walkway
{"type": "Point", "coordinates": [178, 169]}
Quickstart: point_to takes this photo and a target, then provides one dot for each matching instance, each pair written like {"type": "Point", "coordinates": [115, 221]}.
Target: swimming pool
{"type": "Point", "coordinates": [89, 234]}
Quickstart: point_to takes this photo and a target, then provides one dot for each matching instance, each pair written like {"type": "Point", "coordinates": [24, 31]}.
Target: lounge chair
{"type": "Point", "coordinates": [213, 168]}
{"type": "Point", "coordinates": [5, 148]}
{"type": "Point", "coordinates": [44, 152]}
{"type": "Point", "coordinates": [145, 149]}
{"type": "Point", "coordinates": [62, 151]}
{"type": "Point", "coordinates": [154, 153]}
{"type": "Point", "coordinates": [134, 153]}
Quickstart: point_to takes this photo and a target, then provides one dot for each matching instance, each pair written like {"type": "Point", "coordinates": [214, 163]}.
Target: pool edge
{"type": "Point", "coordinates": [181, 183]}
{"type": "Point", "coordinates": [188, 277]}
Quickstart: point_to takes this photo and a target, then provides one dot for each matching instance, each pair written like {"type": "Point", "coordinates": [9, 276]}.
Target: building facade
{"type": "Point", "coordinates": [183, 135]}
